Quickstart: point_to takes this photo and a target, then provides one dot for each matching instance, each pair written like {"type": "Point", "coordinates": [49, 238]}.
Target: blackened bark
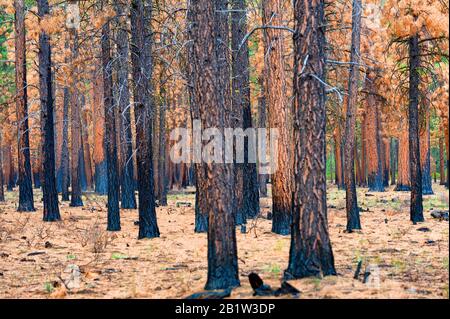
{"type": "Point", "coordinates": [201, 213]}
{"type": "Point", "coordinates": [141, 11]}
{"type": "Point", "coordinates": [11, 172]}
{"type": "Point", "coordinates": [110, 133]}
{"type": "Point", "coordinates": [416, 208]}
{"type": "Point", "coordinates": [442, 178]}
{"type": "Point", "coordinates": [128, 198]}
{"type": "Point", "coordinates": [24, 162]}
{"type": "Point", "coordinates": [425, 150]}
{"type": "Point", "coordinates": [65, 164]}
{"type": "Point", "coordinates": [210, 67]}
{"type": "Point", "coordinates": [353, 220]}
{"type": "Point", "coordinates": [162, 149]}
{"type": "Point", "coordinates": [75, 128]}
{"type": "Point", "coordinates": [310, 253]}
{"type": "Point", "coordinates": [50, 194]}
{"type": "Point", "coordinates": [394, 160]}
{"type": "Point", "coordinates": [374, 144]}
{"type": "Point", "coordinates": [262, 123]}
{"type": "Point", "coordinates": [242, 109]}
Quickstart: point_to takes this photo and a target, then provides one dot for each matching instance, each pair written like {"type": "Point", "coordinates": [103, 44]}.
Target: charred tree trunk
{"type": "Point", "coordinates": [386, 160]}
{"type": "Point", "coordinates": [65, 163]}
{"type": "Point", "coordinates": [353, 221]}
{"type": "Point", "coordinates": [425, 152]}
{"type": "Point", "coordinates": [212, 97]}
{"type": "Point", "coordinates": [262, 120]}
{"type": "Point", "coordinates": [363, 152]}
{"type": "Point", "coordinates": [10, 169]}
{"type": "Point", "coordinates": [310, 253]}
{"type": "Point", "coordinates": [24, 162]}
{"type": "Point", "coordinates": [110, 133]}
{"type": "Point", "coordinates": [76, 145]}
{"type": "Point", "coordinates": [162, 150]}
{"type": "Point", "coordinates": [442, 178]}
{"type": "Point", "coordinates": [141, 11]}
{"type": "Point", "coordinates": [374, 151]}
{"type": "Point", "coordinates": [86, 149]}
{"type": "Point", "coordinates": [403, 180]}
{"type": "Point", "coordinates": [128, 198]}
{"type": "Point", "coordinates": [279, 116]}
{"type": "Point", "coordinates": [338, 158]}
{"type": "Point", "coordinates": [100, 175]}
{"type": "Point", "coordinates": [242, 109]}
{"type": "Point", "coordinates": [416, 209]}
{"type": "Point", "coordinates": [50, 194]}
{"type": "Point", "coordinates": [201, 211]}
{"type": "Point", "coordinates": [394, 160]}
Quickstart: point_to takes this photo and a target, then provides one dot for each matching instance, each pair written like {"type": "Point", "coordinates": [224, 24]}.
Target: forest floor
{"type": "Point", "coordinates": [36, 257]}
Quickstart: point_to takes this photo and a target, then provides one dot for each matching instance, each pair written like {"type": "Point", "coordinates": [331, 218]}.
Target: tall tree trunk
{"type": "Point", "coordinates": [141, 12]}
{"type": "Point", "coordinates": [242, 109]}
{"type": "Point", "coordinates": [262, 123]}
{"type": "Point", "coordinates": [404, 180]}
{"type": "Point", "coordinates": [363, 151]}
{"type": "Point", "coordinates": [310, 253]}
{"type": "Point", "coordinates": [110, 133]}
{"type": "Point", "coordinates": [126, 136]}
{"type": "Point", "coordinates": [162, 180]}
{"type": "Point", "coordinates": [374, 152]}
{"type": "Point", "coordinates": [86, 147]}
{"type": "Point", "coordinates": [442, 178]}
{"type": "Point", "coordinates": [201, 211]}
{"type": "Point", "coordinates": [212, 97]}
{"type": "Point", "coordinates": [425, 151]}
{"type": "Point", "coordinates": [416, 209]}
{"type": "Point", "coordinates": [50, 194]}
{"type": "Point", "coordinates": [10, 168]}
{"type": "Point", "coordinates": [394, 160]}
{"type": "Point", "coordinates": [65, 161]}
{"type": "Point", "coordinates": [338, 156]}
{"type": "Point", "coordinates": [279, 116]}
{"type": "Point", "coordinates": [353, 221]}
{"type": "Point", "coordinates": [100, 175]}
{"type": "Point", "coordinates": [75, 128]}
{"type": "Point", "coordinates": [386, 160]}
{"type": "Point", "coordinates": [24, 165]}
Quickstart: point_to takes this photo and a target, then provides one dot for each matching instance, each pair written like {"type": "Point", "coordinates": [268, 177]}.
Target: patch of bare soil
{"type": "Point", "coordinates": [77, 258]}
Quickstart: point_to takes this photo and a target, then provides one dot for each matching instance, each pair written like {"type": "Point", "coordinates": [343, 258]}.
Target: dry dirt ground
{"type": "Point", "coordinates": [36, 257]}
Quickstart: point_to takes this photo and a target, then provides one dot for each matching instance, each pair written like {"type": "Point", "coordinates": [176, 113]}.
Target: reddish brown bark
{"type": "Point", "coordinates": [278, 115]}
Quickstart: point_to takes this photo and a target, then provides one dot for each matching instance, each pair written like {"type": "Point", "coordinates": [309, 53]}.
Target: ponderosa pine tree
{"type": "Point", "coordinates": [24, 162]}
{"type": "Point", "coordinates": [242, 109]}
{"type": "Point", "coordinates": [50, 193]}
{"type": "Point", "coordinates": [310, 253]}
{"type": "Point", "coordinates": [425, 149]}
{"type": "Point", "coordinates": [201, 214]}
{"type": "Point", "coordinates": [141, 44]}
{"type": "Point", "coordinates": [442, 178]}
{"type": "Point", "coordinates": [110, 133]}
{"type": "Point", "coordinates": [128, 198]}
{"type": "Point", "coordinates": [353, 220]}
{"type": "Point", "coordinates": [75, 126]}
{"type": "Point", "coordinates": [373, 136]}
{"type": "Point", "coordinates": [212, 96]}
{"type": "Point", "coordinates": [416, 208]}
{"type": "Point", "coordinates": [279, 115]}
